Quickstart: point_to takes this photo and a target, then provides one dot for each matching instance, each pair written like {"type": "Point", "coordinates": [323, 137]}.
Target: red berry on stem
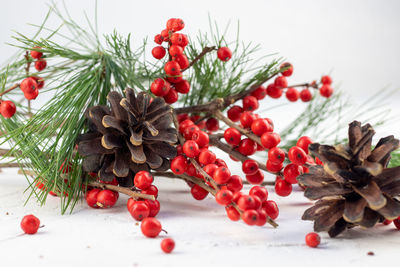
{"type": "Point", "coordinates": [179, 165]}
{"type": "Point", "coordinates": [291, 172]}
{"type": "Point", "coordinates": [246, 119]}
{"type": "Point", "coordinates": [271, 208]}
{"type": "Point", "coordinates": [259, 93]}
{"type": "Point", "coordinates": [246, 202]}
{"type": "Point", "coordinates": [189, 131]}
{"type": "Point", "coordinates": [198, 192]}
{"type": "Point", "coordinates": [212, 124]}
{"type": "Point", "coordinates": [160, 87]}
{"type": "Point", "coordinates": [175, 50]}
{"type": "Point", "coordinates": [250, 217]}
{"type": "Point", "coordinates": [151, 190]}
{"type": "Point", "coordinates": [158, 39]}
{"type": "Point", "coordinates": [260, 126]}
{"type": "Point", "coordinates": [176, 39]}
{"type": "Point", "coordinates": [220, 163]}
{"type": "Point", "coordinates": [232, 213]}
{"type": "Point", "coordinates": [172, 68]}
{"type": "Point", "coordinates": [171, 97]}
{"type": "Point", "coordinates": [91, 197]}
{"type": "Point", "coordinates": [158, 52]}
{"type": "Point", "coordinates": [40, 64]}
{"type": "Point", "coordinates": [191, 149]}
{"type": "Point", "coordinates": [30, 224]}
{"type": "Point", "coordinates": [182, 60]}
{"type": "Point", "coordinates": [207, 157]}
{"type": "Point", "coordinates": [260, 192]}
{"type": "Point", "coordinates": [304, 142]}
{"type": "Point", "coordinates": [28, 85]}
{"type": "Point", "coordinates": [235, 183]}
{"type": "Point", "coordinates": [292, 94]}
{"type": "Point", "coordinates": [234, 113]}
{"type": "Point", "coordinates": [255, 178]}
{"type": "Point", "coordinates": [165, 35]}
{"type": "Point", "coordinates": [36, 54]}
{"type": "Point", "coordinates": [326, 79]}
{"type": "Point", "coordinates": [154, 206]}
{"type": "Point", "coordinates": [313, 240]}
{"type": "Point", "coordinates": [224, 53]}
{"type": "Point", "coordinates": [232, 136]}
{"type": "Point", "coordinates": [247, 147]}
{"type": "Point", "coordinates": [139, 210]}
{"type": "Point", "coordinates": [326, 90]}
{"type": "Point", "coordinates": [280, 82]}
{"type": "Point", "coordinates": [297, 155]}
{"type": "Point", "coordinates": [224, 197]}
{"type": "Point", "coordinates": [305, 95]}
{"type": "Point", "coordinates": [184, 124]}
{"type": "Point", "coordinates": [274, 91]}
{"type": "Point", "coordinates": [282, 188]}
{"type": "Point", "coordinates": [169, 23]}
{"type": "Point", "coordinates": [250, 103]}
{"type": "Point", "coordinates": [32, 95]}
{"type": "Point", "coordinates": [143, 180]}
{"type": "Point", "coordinates": [289, 69]}
{"type": "Point", "coordinates": [39, 81]}
{"type": "Point", "coordinates": [7, 109]}
{"type": "Point", "coordinates": [177, 25]}
{"type": "Point", "coordinates": [276, 155]}
{"type": "Point", "coordinates": [270, 140]}
{"type": "Point", "coordinates": [272, 167]}
{"type": "Point", "coordinates": [221, 175]}
{"type": "Point", "coordinates": [150, 227]}
{"type": "Point", "coordinates": [182, 87]}
{"type": "Point", "coordinates": [106, 198]}
{"type": "Point", "coordinates": [201, 138]}
{"type": "Point", "coordinates": [167, 245]}
{"type": "Point", "coordinates": [249, 166]}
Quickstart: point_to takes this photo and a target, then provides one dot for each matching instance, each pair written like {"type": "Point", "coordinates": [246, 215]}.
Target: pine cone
{"type": "Point", "coordinates": [354, 187]}
{"type": "Point", "coordinates": [135, 134]}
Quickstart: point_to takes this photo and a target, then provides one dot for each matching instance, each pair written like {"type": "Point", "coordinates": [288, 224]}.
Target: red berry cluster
{"type": "Point", "coordinates": [173, 83]}
{"type": "Point", "coordinates": [396, 222]}
{"type": "Point", "coordinates": [97, 198]}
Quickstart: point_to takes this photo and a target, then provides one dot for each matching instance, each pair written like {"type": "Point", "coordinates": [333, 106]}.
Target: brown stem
{"type": "Point", "coordinates": [9, 89]}
{"type": "Point", "coordinates": [10, 165]}
{"type": "Point", "coordinates": [122, 190]}
{"type": "Point", "coordinates": [206, 50]}
{"type": "Point", "coordinates": [312, 85]}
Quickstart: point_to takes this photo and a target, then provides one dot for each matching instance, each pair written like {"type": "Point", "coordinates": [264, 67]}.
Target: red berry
{"type": "Point", "coordinates": [271, 208]}
{"type": "Point", "coordinates": [282, 188]}
{"type": "Point", "coordinates": [167, 245]}
{"type": "Point", "coordinates": [28, 85]}
{"type": "Point", "coordinates": [232, 213]}
{"type": "Point", "coordinates": [150, 227]}
{"type": "Point", "coordinates": [272, 167]}
{"type": "Point", "coordinates": [270, 140]}
{"type": "Point", "coordinates": [139, 210]}
{"type": "Point", "coordinates": [212, 124]}
{"type": "Point", "coordinates": [255, 178]}
{"type": "Point", "coordinates": [198, 192]}
{"type": "Point", "coordinates": [262, 218]}
{"type": "Point", "coordinates": [220, 163]}
{"type": "Point", "coordinates": [151, 190]}
{"type": "Point", "coordinates": [292, 94]}
{"type": "Point", "coordinates": [326, 90]}
{"type": "Point", "coordinates": [179, 165]}
{"type": "Point", "coordinates": [235, 183]}
{"type": "Point", "coordinates": [176, 39]}
{"type": "Point", "coordinates": [280, 82]}
{"type": "Point", "coordinates": [175, 78]}
{"type": "Point", "coordinates": [297, 155]}
{"type": "Point", "coordinates": [305, 95]}
{"type": "Point", "coordinates": [171, 97]}
{"type": "Point", "coordinates": [172, 68]}
{"type": "Point", "coordinates": [234, 113]}
{"type": "Point", "coordinates": [39, 81]}
{"type": "Point", "coordinates": [260, 192]}
{"type": "Point", "coordinates": [274, 91]}
{"type": "Point", "coordinates": [158, 39]}
{"type": "Point", "coordinates": [387, 222]}
{"type": "Point", "coordinates": [224, 53]}
{"type": "Point", "coordinates": [276, 155]}
{"type": "Point", "coordinates": [250, 217]}
{"type": "Point", "coordinates": [182, 60]}
{"type": "Point", "coordinates": [246, 202]}
{"type": "Point", "coordinates": [91, 197]}
{"type": "Point", "coordinates": [169, 23]}
{"type": "Point", "coordinates": [177, 25]}
{"type": "Point", "coordinates": [246, 119]}
{"type": "Point", "coordinates": [259, 93]}
{"type": "Point", "coordinates": [247, 147]}
{"type": "Point", "coordinates": [175, 50]}
{"type": "Point", "coordinates": [397, 223]}
{"type": "Point", "coordinates": [232, 136]}
{"type": "Point", "coordinates": [189, 131]}
{"type": "Point", "coordinates": [40, 64]}
{"type": "Point", "coordinates": [201, 138]}
{"type": "Point", "coordinates": [182, 117]}
{"type": "Point", "coordinates": [160, 87]}
{"type": "Point", "coordinates": [289, 69]}
{"type": "Point", "coordinates": [250, 103]}
{"type": "Point", "coordinates": [291, 172]}
{"type": "Point", "coordinates": [30, 224]}
{"type": "Point", "coordinates": [36, 54]}
{"type": "Point", "coordinates": [249, 166]}
{"type": "Point", "coordinates": [107, 198]}
{"type": "Point", "coordinates": [165, 35]}
{"type": "Point", "coordinates": [184, 124]}
{"type": "Point", "coordinates": [210, 169]}
{"type": "Point", "coordinates": [191, 149]}
{"type": "Point", "coordinates": [158, 52]}
{"type": "Point", "coordinates": [313, 240]}
{"type": "Point", "coordinates": [143, 180]}
{"type": "Point", "coordinates": [32, 96]}
{"type": "Point", "coordinates": [182, 87]}
{"type": "Point", "coordinates": [304, 142]}
{"type": "Point", "coordinates": [221, 175]}
{"type": "Point", "coordinates": [326, 80]}
{"type": "Point", "coordinates": [224, 197]}
{"type": "Point", "coordinates": [260, 126]}
{"type": "Point", "coordinates": [7, 108]}
{"type": "Point", "coordinates": [154, 206]}
{"type": "Point", "coordinates": [207, 157]}
{"type": "Point", "coordinates": [185, 40]}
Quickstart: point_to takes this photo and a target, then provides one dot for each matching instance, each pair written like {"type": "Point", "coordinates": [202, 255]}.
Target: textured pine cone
{"type": "Point", "coordinates": [131, 136]}
{"type": "Point", "coordinates": [354, 187]}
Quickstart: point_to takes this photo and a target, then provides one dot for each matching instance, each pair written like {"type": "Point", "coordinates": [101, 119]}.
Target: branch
{"type": "Point", "coordinates": [9, 89]}
{"type": "Point", "coordinates": [122, 190]}
{"type": "Point", "coordinates": [206, 50]}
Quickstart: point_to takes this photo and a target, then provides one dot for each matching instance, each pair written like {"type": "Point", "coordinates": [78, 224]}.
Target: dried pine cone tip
{"type": "Point", "coordinates": [354, 187]}
{"type": "Point", "coordinates": [134, 134]}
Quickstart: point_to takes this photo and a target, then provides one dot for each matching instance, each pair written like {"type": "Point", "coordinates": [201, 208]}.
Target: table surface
{"type": "Point", "coordinates": [204, 236]}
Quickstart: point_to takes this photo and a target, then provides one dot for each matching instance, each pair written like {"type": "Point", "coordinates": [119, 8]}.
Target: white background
{"type": "Point", "coordinates": [356, 41]}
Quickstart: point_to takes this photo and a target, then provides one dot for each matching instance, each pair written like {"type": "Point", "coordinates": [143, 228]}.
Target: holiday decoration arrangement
{"type": "Point", "coordinates": [115, 121]}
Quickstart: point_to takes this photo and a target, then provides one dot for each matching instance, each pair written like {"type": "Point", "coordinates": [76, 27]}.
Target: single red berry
{"type": "Point", "coordinates": [313, 240]}
{"type": "Point", "coordinates": [234, 113]}
{"type": "Point", "coordinates": [326, 79]}
{"type": "Point", "coordinates": [387, 222]}
{"type": "Point", "coordinates": [139, 210]}
{"type": "Point", "coordinates": [246, 119]}
{"type": "Point", "coordinates": [246, 202]}
{"type": "Point", "coordinates": [40, 64]}
{"type": "Point", "coordinates": [160, 87]}
{"type": "Point", "coordinates": [179, 165]}
{"type": "Point", "coordinates": [177, 25]}
{"type": "Point", "coordinates": [232, 213]}
{"type": "Point", "coordinates": [32, 95]}
{"type": "Point", "coordinates": [172, 68]}
{"type": "Point", "coordinates": [260, 192]}
{"type": "Point", "coordinates": [210, 169]}
{"type": "Point", "coordinates": [280, 82]}
{"type": "Point", "coordinates": [397, 223]}
{"type": "Point", "coordinates": [182, 87]}
{"type": "Point", "coordinates": [262, 218]}
{"type": "Point", "coordinates": [260, 126]}
{"type": "Point", "coordinates": [207, 157]}
{"type": "Point", "coordinates": [276, 155]}
{"type": "Point", "coordinates": [305, 95]}
{"type": "Point", "coordinates": [151, 190]}
{"type": "Point", "coordinates": [154, 206]}
{"type": "Point", "coordinates": [250, 103]}
{"type": "Point", "coordinates": [165, 35]}
{"type": "Point", "coordinates": [224, 197]}
{"type": "Point", "coordinates": [304, 142]}
{"type": "Point", "coordinates": [220, 163]}
{"type": "Point", "coordinates": [158, 52]}
{"type": "Point", "coordinates": [274, 91]}
{"type": "Point", "coordinates": [255, 178]}
{"type": "Point", "coordinates": [7, 108]}
{"type": "Point", "coordinates": [297, 155]}
{"type": "Point", "coordinates": [107, 198]}
{"type": "Point", "coordinates": [250, 217]}
{"type": "Point", "coordinates": [175, 50]}
{"type": "Point", "coordinates": [158, 39]}
{"type": "Point", "coordinates": [175, 78]}
{"type": "Point", "coordinates": [292, 94]}
{"type": "Point", "coordinates": [143, 180]}
{"type": "Point", "coordinates": [191, 149]}
{"type": "Point", "coordinates": [212, 124]}
{"type": "Point", "coordinates": [176, 39]}
{"type": "Point", "coordinates": [36, 54]}
{"type": "Point", "coordinates": [271, 208]}
{"type": "Point", "coordinates": [282, 188]}
{"type": "Point", "coordinates": [171, 97]}
{"type": "Point", "coordinates": [249, 166]}
{"type": "Point", "coordinates": [326, 90]}
{"type": "Point", "coordinates": [259, 93]}
{"type": "Point", "coordinates": [232, 136]}
{"type": "Point", "coordinates": [30, 224]}
{"type": "Point", "coordinates": [198, 192]}
{"type": "Point", "coordinates": [221, 175]}
{"type": "Point", "coordinates": [291, 172]}
{"type": "Point", "coordinates": [272, 167]}
{"type": "Point", "coordinates": [39, 81]}
{"type": "Point", "coordinates": [182, 60]}
{"type": "Point", "coordinates": [91, 198]}
{"type": "Point", "coordinates": [189, 131]}
{"type": "Point", "coordinates": [169, 23]}
{"type": "Point", "coordinates": [237, 196]}
{"type": "Point", "coordinates": [235, 183]}
{"type": "Point", "coordinates": [288, 69]}
{"type": "Point", "coordinates": [247, 147]}
{"type": "Point", "coordinates": [167, 245]}
{"type": "Point", "coordinates": [224, 53]}
{"type": "Point", "coordinates": [270, 140]}
{"type": "Point", "coordinates": [28, 85]}
{"type": "Point", "coordinates": [184, 124]}
{"type": "Point", "coordinates": [150, 227]}
{"type": "Point", "coordinates": [201, 138]}
{"type": "Point", "coordinates": [185, 40]}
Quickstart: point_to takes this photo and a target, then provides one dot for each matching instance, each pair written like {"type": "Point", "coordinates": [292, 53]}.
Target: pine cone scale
{"type": "Point", "coordinates": [354, 210]}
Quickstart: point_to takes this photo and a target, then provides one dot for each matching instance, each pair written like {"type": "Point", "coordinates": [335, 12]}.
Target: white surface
{"type": "Point", "coordinates": [204, 235]}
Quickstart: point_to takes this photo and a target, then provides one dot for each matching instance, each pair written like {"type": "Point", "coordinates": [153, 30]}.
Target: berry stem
{"type": "Point", "coordinates": [206, 50]}
{"type": "Point", "coordinates": [9, 89]}
{"type": "Point", "coordinates": [122, 190]}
